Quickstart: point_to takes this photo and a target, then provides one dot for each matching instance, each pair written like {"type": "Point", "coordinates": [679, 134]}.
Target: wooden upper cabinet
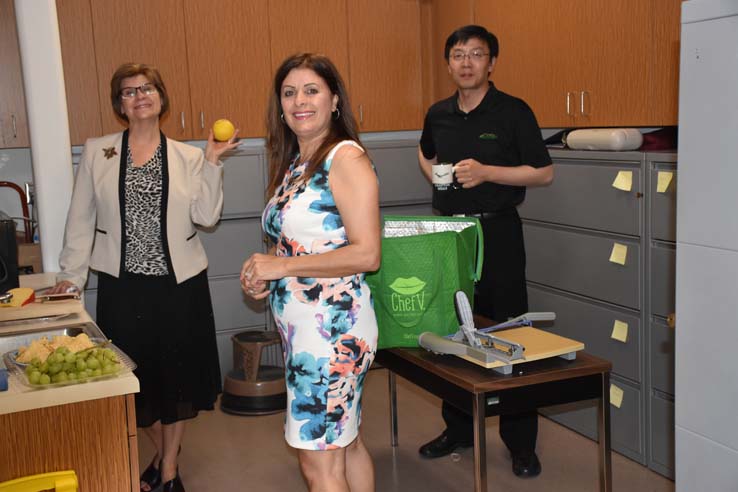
{"type": "Point", "coordinates": [588, 63]}
{"type": "Point", "coordinates": [531, 66]}
{"type": "Point", "coordinates": [445, 17]}
{"type": "Point", "coordinates": [228, 58]}
{"type": "Point", "coordinates": [385, 64]}
{"type": "Point", "coordinates": [317, 26]}
{"type": "Point", "coordinates": [80, 71]}
{"type": "Point", "coordinates": [144, 31]}
{"type": "Point", "coordinates": [13, 118]}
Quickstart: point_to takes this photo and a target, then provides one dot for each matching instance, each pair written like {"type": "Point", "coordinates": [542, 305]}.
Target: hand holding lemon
{"type": "Point", "coordinates": [223, 130]}
{"type": "Point", "coordinates": [222, 138]}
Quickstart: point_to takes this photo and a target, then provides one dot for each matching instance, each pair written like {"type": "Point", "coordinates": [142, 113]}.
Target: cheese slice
{"type": "Point", "coordinates": [21, 297]}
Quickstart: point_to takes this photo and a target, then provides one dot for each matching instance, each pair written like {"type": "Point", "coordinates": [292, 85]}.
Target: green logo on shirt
{"type": "Point", "coordinates": [488, 136]}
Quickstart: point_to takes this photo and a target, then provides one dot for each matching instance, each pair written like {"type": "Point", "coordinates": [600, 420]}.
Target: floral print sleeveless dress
{"type": "Point", "coordinates": [328, 326]}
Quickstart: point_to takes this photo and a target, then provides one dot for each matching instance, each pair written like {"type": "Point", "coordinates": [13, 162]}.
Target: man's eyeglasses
{"type": "Point", "coordinates": [146, 89]}
{"type": "Point", "coordinates": [476, 55]}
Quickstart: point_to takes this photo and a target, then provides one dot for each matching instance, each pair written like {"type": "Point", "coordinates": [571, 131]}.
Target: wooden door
{"type": "Point", "coordinates": [228, 58]}
{"type": "Point", "coordinates": [385, 64]}
{"type": "Point", "coordinates": [446, 16]}
{"type": "Point", "coordinates": [538, 53]}
{"type": "Point", "coordinates": [615, 55]}
{"type": "Point", "coordinates": [327, 32]}
{"type": "Point", "coordinates": [13, 118]}
{"type": "Point", "coordinates": [666, 28]}
{"type": "Point", "coordinates": [144, 31]}
{"type": "Point", "coordinates": [80, 70]}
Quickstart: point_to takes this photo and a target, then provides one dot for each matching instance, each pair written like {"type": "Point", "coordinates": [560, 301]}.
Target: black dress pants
{"type": "Point", "coordinates": [500, 294]}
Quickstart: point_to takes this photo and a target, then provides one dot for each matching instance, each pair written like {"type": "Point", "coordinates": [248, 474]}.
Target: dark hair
{"type": "Point", "coordinates": [281, 142]}
{"type": "Point", "coordinates": [464, 34]}
{"type": "Point", "coordinates": [131, 70]}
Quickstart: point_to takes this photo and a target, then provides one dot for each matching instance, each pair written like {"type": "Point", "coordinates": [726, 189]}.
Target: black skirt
{"type": "Point", "coordinates": [169, 331]}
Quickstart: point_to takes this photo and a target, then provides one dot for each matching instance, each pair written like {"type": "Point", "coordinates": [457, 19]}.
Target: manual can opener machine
{"type": "Point", "coordinates": [479, 344]}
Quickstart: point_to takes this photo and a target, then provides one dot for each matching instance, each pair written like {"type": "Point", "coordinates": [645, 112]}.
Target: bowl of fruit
{"type": "Point", "coordinates": [47, 364]}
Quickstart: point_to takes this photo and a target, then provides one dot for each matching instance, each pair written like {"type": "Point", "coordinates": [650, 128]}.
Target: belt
{"type": "Point", "coordinates": [487, 215]}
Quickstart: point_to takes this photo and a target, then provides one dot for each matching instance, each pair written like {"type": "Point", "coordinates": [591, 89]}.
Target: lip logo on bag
{"type": "Point", "coordinates": [408, 301]}
{"type": "Point", "coordinates": [407, 286]}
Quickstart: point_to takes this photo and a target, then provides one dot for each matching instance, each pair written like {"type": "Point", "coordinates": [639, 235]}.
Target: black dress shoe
{"type": "Point", "coordinates": [173, 485]}
{"type": "Point", "coordinates": [151, 476]}
{"type": "Point", "coordinates": [441, 446]}
{"type": "Point", "coordinates": [526, 465]}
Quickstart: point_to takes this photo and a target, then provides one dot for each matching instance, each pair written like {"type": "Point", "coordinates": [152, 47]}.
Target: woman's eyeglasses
{"type": "Point", "coordinates": [145, 89]}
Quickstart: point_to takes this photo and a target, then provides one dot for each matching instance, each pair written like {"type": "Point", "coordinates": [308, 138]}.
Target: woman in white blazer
{"type": "Point", "coordinates": [137, 197]}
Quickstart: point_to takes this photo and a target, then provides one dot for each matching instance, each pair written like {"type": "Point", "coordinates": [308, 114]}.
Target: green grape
{"type": "Point", "coordinates": [83, 374]}
{"type": "Point", "coordinates": [81, 364]}
{"type": "Point", "coordinates": [59, 357]}
{"type": "Point", "coordinates": [97, 372]}
{"type": "Point", "coordinates": [73, 376]}
{"type": "Point", "coordinates": [93, 363]}
{"type": "Point", "coordinates": [34, 377]}
{"type": "Point", "coordinates": [62, 377]}
{"type": "Point", "coordinates": [108, 353]}
{"type": "Point", "coordinates": [55, 368]}
{"type": "Point", "coordinates": [68, 366]}
{"type": "Point", "coordinates": [29, 369]}
{"type": "Point", "coordinates": [44, 379]}
{"type": "Point", "coordinates": [44, 367]}
{"type": "Point", "coordinates": [36, 361]}
{"type": "Point", "coordinates": [70, 357]}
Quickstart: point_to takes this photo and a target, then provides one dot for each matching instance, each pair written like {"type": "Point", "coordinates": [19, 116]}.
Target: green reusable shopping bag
{"type": "Point", "coordinates": [425, 260]}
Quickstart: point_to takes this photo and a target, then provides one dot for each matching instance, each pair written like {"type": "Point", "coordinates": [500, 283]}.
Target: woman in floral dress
{"type": "Point", "coordinates": [323, 219]}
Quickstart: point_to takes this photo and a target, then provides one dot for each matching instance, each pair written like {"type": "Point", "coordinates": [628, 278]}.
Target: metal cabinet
{"type": "Point", "coordinates": [600, 253]}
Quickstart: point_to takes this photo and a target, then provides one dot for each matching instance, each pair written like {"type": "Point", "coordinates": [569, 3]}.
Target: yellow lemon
{"type": "Point", "coordinates": [223, 130]}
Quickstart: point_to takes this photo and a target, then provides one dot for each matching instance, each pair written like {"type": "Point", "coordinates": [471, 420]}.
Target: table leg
{"type": "Point", "coordinates": [393, 408]}
{"type": "Point", "coordinates": [603, 435]}
{"type": "Point", "coordinates": [480, 443]}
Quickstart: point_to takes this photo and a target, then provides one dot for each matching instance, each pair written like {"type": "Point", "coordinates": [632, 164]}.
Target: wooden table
{"type": "Point", "coordinates": [483, 393]}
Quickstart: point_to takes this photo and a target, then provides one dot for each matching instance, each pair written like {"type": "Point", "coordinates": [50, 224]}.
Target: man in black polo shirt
{"type": "Point", "coordinates": [495, 144]}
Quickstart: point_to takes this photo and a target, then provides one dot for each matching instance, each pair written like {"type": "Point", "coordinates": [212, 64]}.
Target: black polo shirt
{"type": "Point", "coordinates": [502, 131]}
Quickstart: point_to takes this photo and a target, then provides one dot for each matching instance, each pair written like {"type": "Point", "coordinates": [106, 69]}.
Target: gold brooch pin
{"type": "Point", "coordinates": [110, 152]}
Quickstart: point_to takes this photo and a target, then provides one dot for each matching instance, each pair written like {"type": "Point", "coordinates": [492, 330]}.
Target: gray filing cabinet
{"type": "Point", "coordinates": [573, 232]}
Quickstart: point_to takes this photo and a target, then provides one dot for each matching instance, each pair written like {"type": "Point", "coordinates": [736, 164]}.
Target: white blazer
{"type": "Point", "coordinates": [92, 238]}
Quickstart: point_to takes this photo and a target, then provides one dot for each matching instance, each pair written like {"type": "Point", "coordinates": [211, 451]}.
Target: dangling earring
{"type": "Point", "coordinates": [281, 117]}
{"type": "Point", "coordinates": [336, 114]}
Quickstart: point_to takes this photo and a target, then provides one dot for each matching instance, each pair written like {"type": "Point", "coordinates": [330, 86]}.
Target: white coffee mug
{"type": "Point", "coordinates": [442, 175]}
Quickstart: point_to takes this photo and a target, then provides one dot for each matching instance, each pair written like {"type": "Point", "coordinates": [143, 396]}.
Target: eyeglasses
{"type": "Point", "coordinates": [146, 89]}
{"type": "Point", "coordinates": [476, 55]}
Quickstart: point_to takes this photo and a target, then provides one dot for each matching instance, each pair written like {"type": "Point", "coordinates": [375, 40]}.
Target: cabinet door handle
{"type": "Point", "coordinates": [15, 127]}
{"type": "Point", "coordinates": [202, 120]}
{"type": "Point", "coordinates": [581, 103]}
{"type": "Point", "coordinates": [568, 104]}
{"type": "Point", "coordinates": [671, 320]}
{"type": "Point", "coordinates": [361, 113]}
{"type": "Point", "coordinates": [181, 120]}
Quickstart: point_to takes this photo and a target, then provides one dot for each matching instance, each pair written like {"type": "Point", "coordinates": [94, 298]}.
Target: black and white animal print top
{"type": "Point", "coordinates": [144, 249]}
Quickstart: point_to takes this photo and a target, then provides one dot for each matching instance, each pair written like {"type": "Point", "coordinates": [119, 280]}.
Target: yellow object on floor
{"type": "Point", "coordinates": [63, 481]}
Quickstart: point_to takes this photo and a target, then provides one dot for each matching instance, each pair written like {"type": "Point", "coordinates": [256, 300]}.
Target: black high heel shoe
{"type": "Point", "coordinates": [151, 476]}
{"type": "Point", "coordinates": [173, 485]}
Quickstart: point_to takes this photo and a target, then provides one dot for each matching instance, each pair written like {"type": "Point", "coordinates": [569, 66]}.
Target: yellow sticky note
{"type": "Point", "coordinates": [619, 253]}
{"type": "Point", "coordinates": [619, 331]}
{"type": "Point", "coordinates": [664, 179]}
{"type": "Point", "coordinates": [623, 181]}
{"type": "Point", "coordinates": [616, 396]}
